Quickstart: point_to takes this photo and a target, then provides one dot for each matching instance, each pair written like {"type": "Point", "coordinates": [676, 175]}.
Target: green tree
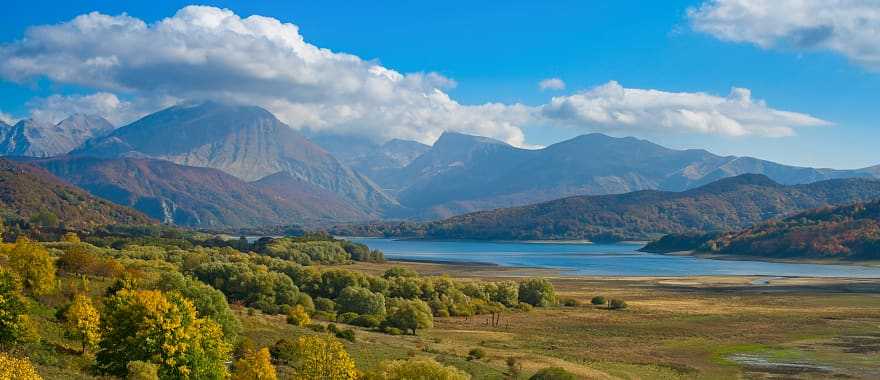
{"type": "Point", "coordinates": [84, 321]}
{"type": "Point", "coordinates": [34, 266]}
{"type": "Point", "coordinates": [537, 292]}
{"type": "Point", "coordinates": [209, 302]}
{"type": "Point", "coordinates": [410, 315]}
{"type": "Point", "coordinates": [161, 328]}
{"type": "Point", "coordinates": [361, 301]}
{"type": "Point", "coordinates": [13, 321]}
{"type": "Point", "coordinates": [255, 365]}
{"type": "Point", "coordinates": [416, 369]}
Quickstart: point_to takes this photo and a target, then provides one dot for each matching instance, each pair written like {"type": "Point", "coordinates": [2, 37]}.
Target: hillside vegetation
{"type": "Point", "coordinates": [727, 204]}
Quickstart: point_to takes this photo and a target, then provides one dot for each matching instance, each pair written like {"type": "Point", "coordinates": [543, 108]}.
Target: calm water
{"type": "Point", "coordinates": [599, 259]}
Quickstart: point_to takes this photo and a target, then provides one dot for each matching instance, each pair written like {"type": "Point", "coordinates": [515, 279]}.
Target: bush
{"type": "Point", "coordinates": [410, 315]}
{"type": "Point", "coordinates": [367, 321]}
{"type": "Point", "coordinates": [616, 304]}
{"type": "Point", "coordinates": [537, 292]}
{"type": "Point", "coordinates": [392, 330]}
{"type": "Point", "coordinates": [284, 351]}
{"type": "Point", "coordinates": [347, 317]}
{"type": "Point", "coordinates": [325, 304]}
{"type": "Point", "coordinates": [347, 334]}
{"type": "Point", "coordinates": [522, 306]}
{"type": "Point", "coordinates": [317, 327]}
{"type": "Point", "coordinates": [416, 368]}
{"type": "Point", "coordinates": [138, 370]}
{"type": "Point", "coordinates": [325, 315]}
{"type": "Point", "coordinates": [298, 316]}
{"type": "Point", "coordinates": [553, 373]}
{"type": "Point", "coordinates": [331, 327]}
{"type": "Point", "coordinates": [570, 302]}
{"type": "Point", "coordinates": [598, 300]}
{"type": "Point", "coordinates": [476, 354]}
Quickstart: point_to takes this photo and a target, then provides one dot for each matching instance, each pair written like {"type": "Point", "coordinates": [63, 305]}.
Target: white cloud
{"type": "Point", "coordinates": [551, 84]}
{"type": "Point", "coordinates": [204, 53]}
{"type": "Point", "coordinates": [847, 27]}
{"type": "Point", "coordinates": [210, 53]}
{"type": "Point", "coordinates": [612, 107]}
{"type": "Point", "coordinates": [7, 118]}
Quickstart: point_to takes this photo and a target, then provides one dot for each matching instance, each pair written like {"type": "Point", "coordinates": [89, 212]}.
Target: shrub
{"type": "Point", "coordinates": [416, 368]}
{"type": "Point", "coordinates": [138, 370]}
{"type": "Point", "coordinates": [553, 373]}
{"type": "Point", "coordinates": [325, 304]}
{"type": "Point", "coordinates": [537, 292]}
{"type": "Point", "coordinates": [254, 365]}
{"type": "Point", "coordinates": [392, 330]}
{"type": "Point", "coordinates": [317, 327]}
{"type": "Point", "coordinates": [476, 354]}
{"type": "Point", "coordinates": [410, 315]}
{"type": "Point", "coordinates": [331, 327]}
{"type": "Point", "coordinates": [325, 315]}
{"type": "Point", "coordinates": [367, 321]}
{"type": "Point", "coordinates": [284, 351]}
{"type": "Point", "coordinates": [399, 272]}
{"type": "Point", "coordinates": [570, 302]}
{"type": "Point", "coordinates": [522, 306]}
{"type": "Point", "coordinates": [298, 316]}
{"type": "Point", "coordinates": [347, 334]}
{"type": "Point", "coordinates": [598, 300]}
{"type": "Point", "coordinates": [616, 304]}
{"type": "Point", "coordinates": [322, 358]}
{"type": "Point", "coordinates": [346, 317]}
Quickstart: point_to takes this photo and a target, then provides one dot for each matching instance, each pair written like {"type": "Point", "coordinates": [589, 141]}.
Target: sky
{"type": "Point", "coordinates": [792, 81]}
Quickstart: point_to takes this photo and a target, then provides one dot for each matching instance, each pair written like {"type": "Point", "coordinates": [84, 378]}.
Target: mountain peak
{"type": "Point", "coordinates": [457, 138]}
{"type": "Point", "coordinates": [735, 182]}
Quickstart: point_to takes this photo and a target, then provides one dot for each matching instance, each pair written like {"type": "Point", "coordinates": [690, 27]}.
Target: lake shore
{"type": "Point", "coordinates": [711, 256]}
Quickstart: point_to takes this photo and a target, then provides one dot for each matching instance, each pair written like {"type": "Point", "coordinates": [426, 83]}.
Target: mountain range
{"type": "Point", "coordinates": [27, 191]}
{"type": "Point", "coordinates": [35, 138]}
{"type": "Point", "coordinates": [222, 165]}
{"type": "Point", "coordinates": [727, 204]}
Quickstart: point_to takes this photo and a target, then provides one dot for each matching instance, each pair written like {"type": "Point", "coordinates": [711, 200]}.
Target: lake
{"type": "Point", "coordinates": [620, 259]}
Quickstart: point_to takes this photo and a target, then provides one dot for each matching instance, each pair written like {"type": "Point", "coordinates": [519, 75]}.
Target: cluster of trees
{"type": "Point", "coordinates": [849, 232]}
{"type": "Point", "coordinates": [166, 312]}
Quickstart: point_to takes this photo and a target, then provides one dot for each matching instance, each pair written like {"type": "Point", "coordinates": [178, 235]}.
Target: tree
{"type": "Point", "coordinates": [209, 302]}
{"type": "Point", "coordinates": [537, 292]}
{"type": "Point", "coordinates": [553, 373]}
{"type": "Point", "coordinates": [17, 369]}
{"type": "Point", "coordinates": [298, 316]}
{"type": "Point", "coordinates": [410, 315]}
{"type": "Point", "coordinates": [255, 365]}
{"type": "Point", "coordinates": [161, 328]}
{"type": "Point", "coordinates": [13, 321]}
{"type": "Point", "coordinates": [416, 369]}
{"type": "Point", "coordinates": [361, 301]}
{"type": "Point", "coordinates": [138, 370]}
{"type": "Point", "coordinates": [323, 358]}
{"type": "Point", "coordinates": [34, 266]}
{"type": "Point", "coordinates": [84, 321]}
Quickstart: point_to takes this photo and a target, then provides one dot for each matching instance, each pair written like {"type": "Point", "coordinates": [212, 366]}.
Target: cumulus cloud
{"type": "Point", "coordinates": [551, 84]}
{"type": "Point", "coordinates": [612, 107]}
{"type": "Point", "coordinates": [847, 27]}
{"type": "Point", "coordinates": [211, 53]}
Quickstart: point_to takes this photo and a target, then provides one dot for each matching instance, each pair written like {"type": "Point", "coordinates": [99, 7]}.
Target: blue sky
{"type": "Point", "coordinates": [498, 52]}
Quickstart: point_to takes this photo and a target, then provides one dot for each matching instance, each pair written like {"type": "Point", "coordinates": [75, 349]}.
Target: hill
{"type": "Point", "coordinates": [245, 141]}
{"type": "Point", "coordinates": [27, 191]}
{"type": "Point", "coordinates": [727, 204]}
{"type": "Point", "coordinates": [463, 173]}
{"type": "Point", "coordinates": [201, 197]}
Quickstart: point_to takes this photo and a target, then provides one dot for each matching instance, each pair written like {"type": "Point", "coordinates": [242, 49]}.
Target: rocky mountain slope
{"type": "Point", "coordinates": [26, 191]}
{"type": "Point", "coordinates": [463, 173]}
{"type": "Point", "coordinates": [245, 141]}
{"type": "Point", "coordinates": [33, 138]}
{"type": "Point", "coordinates": [377, 161]}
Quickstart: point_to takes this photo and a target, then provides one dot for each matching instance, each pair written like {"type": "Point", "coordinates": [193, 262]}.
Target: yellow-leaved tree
{"type": "Point", "coordinates": [298, 316]}
{"type": "Point", "coordinates": [323, 358]}
{"type": "Point", "coordinates": [70, 237]}
{"type": "Point", "coordinates": [12, 368]}
{"type": "Point", "coordinates": [34, 266]}
{"type": "Point", "coordinates": [161, 328]}
{"type": "Point", "coordinates": [84, 321]}
{"type": "Point", "coordinates": [255, 365]}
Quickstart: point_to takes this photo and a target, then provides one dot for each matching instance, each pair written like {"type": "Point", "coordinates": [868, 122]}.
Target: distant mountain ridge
{"type": "Point", "coordinates": [727, 204]}
{"type": "Point", "coordinates": [245, 141]}
{"type": "Point", "coordinates": [26, 190]}
{"type": "Point", "coordinates": [463, 173]}
{"type": "Point", "coordinates": [378, 161]}
{"type": "Point", "coordinates": [201, 197]}
{"type": "Point", "coordinates": [33, 138]}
